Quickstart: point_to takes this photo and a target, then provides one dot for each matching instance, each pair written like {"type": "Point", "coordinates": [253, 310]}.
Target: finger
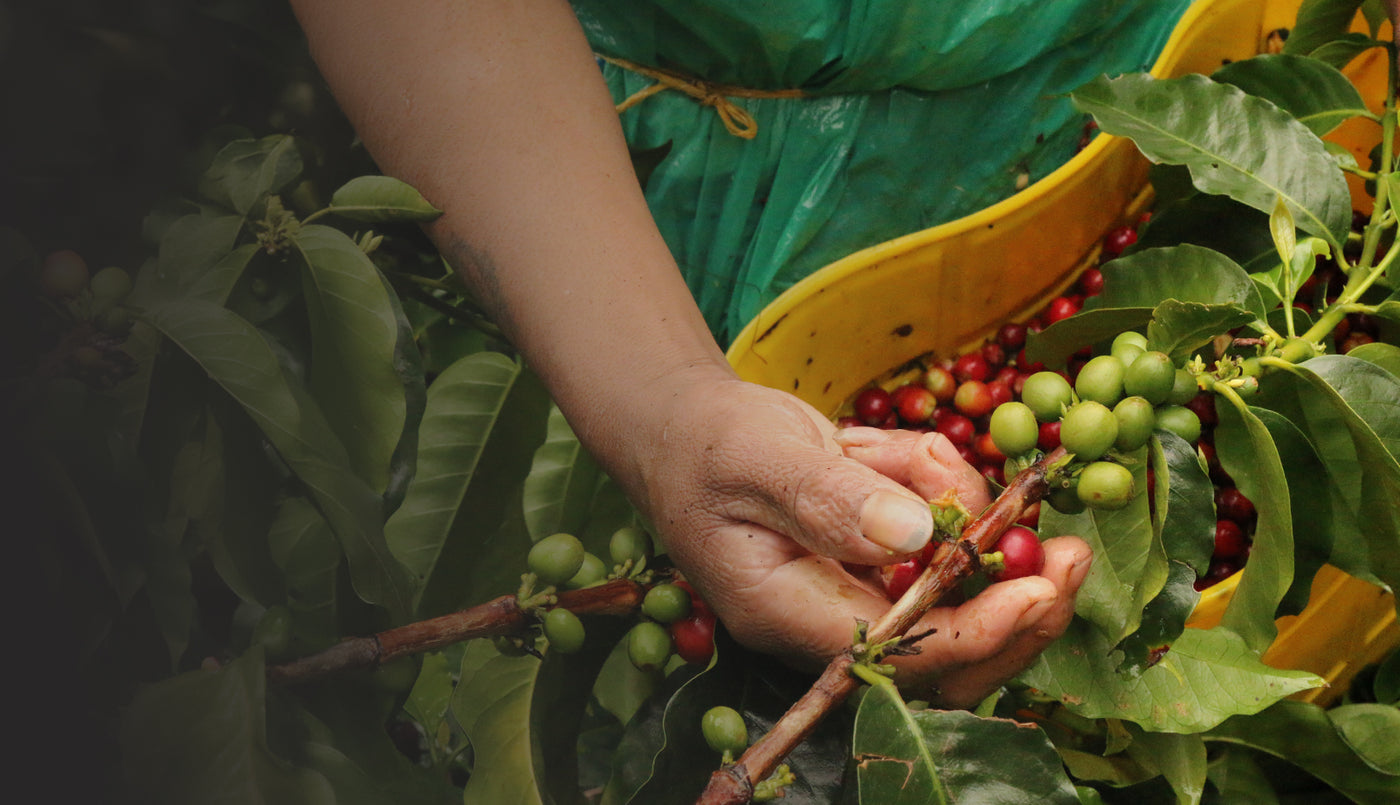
{"type": "Point", "coordinates": [1015, 642]}
{"type": "Point", "coordinates": [927, 463]}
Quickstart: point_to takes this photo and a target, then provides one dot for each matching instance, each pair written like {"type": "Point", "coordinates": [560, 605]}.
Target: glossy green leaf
{"type": "Point", "coordinates": [201, 737]}
{"type": "Point", "coordinates": [1319, 22]}
{"type": "Point", "coordinates": [992, 759]}
{"type": "Point", "coordinates": [1185, 510]}
{"type": "Point", "coordinates": [463, 404]}
{"type": "Point", "coordinates": [1181, 328]}
{"type": "Point", "coordinates": [238, 511]}
{"type": "Point", "coordinates": [375, 199]}
{"type": "Point", "coordinates": [562, 481]}
{"type": "Point", "coordinates": [1341, 51]}
{"type": "Point", "coordinates": [1234, 144]}
{"type": "Point", "coordinates": [238, 358]}
{"type": "Point", "coordinates": [492, 703]}
{"type": "Point", "coordinates": [1247, 452]}
{"type": "Point", "coordinates": [354, 332]}
{"type": "Point", "coordinates": [1370, 730]}
{"type": "Point", "coordinates": [895, 762]}
{"type": "Point", "coordinates": [1387, 682]}
{"type": "Point", "coordinates": [304, 547]}
{"type": "Point", "coordinates": [622, 688]}
{"type": "Point", "coordinates": [1206, 676]}
{"type": "Point", "coordinates": [1057, 342]}
{"type": "Point", "coordinates": [245, 171]}
{"type": "Point", "coordinates": [1218, 223]}
{"type": "Point", "coordinates": [1181, 759]}
{"type": "Point", "coordinates": [191, 248]}
{"type": "Point", "coordinates": [1304, 260]}
{"type": "Point", "coordinates": [1310, 506]}
{"type": "Point", "coordinates": [408, 367]}
{"type": "Point", "coordinates": [1386, 356]}
{"type": "Point", "coordinates": [1389, 310]}
{"type": "Point", "coordinates": [1237, 778]}
{"type": "Point", "coordinates": [1187, 273]}
{"type": "Point", "coordinates": [1315, 93]}
{"type": "Point", "coordinates": [1304, 735]}
{"type": "Point", "coordinates": [1284, 231]}
{"type": "Point", "coordinates": [1163, 619]}
{"type": "Point", "coordinates": [218, 282]}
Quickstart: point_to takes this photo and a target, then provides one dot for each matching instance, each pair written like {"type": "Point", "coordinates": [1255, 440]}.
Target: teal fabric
{"type": "Point", "coordinates": [914, 113]}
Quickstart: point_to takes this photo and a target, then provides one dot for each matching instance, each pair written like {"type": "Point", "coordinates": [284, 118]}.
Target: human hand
{"type": "Point", "coordinates": [763, 504]}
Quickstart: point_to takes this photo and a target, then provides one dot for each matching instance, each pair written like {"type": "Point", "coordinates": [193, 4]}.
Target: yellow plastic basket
{"type": "Point", "coordinates": [945, 289]}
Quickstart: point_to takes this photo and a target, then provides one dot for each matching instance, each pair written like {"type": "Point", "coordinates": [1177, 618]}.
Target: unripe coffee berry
{"type": "Point", "coordinates": [1047, 393]}
{"type": "Point", "coordinates": [556, 558]}
{"type": "Point", "coordinates": [1088, 430]}
{"type": "Point", "coordinates": [1127, 346]}
{"type": "Point", "coordinates": [1184, 388]}
{"type": "Point", "coordinates": [666, 603]}
{"type": "Point", "coordinates": [1136, 421]}
{"type": "Point", "coordinates": [1101, 380]}
{"type": "Point", "coordinates": [1014, 429]}
{"type": "Point", "coordinates": [1179, 420]}
{"type": "Point", "coordinates": [591, 572]}
{"type": "Point", "coordinates": [1151, 375]}
{"type": "Point", "coordinates": [1105, 485]}
{"type": "Point", "coordinates": [648, 646]}
{"type": "Point", "coordinates": [724, 730]}
{"type": "Point", "coordinates": [564, 631]}
{"type": "Point", "coordinates": [629, 543]}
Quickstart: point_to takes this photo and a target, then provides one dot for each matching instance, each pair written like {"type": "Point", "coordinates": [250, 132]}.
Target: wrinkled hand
{"type": "Point", "coordinates": [760, 500]}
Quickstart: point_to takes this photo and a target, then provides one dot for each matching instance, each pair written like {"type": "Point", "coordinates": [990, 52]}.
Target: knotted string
{"type": "Point", "coordinates": [736, 119]}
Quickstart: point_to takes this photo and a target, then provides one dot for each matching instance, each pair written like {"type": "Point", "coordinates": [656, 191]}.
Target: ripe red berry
{"type": "Point", "coordinates": [694, 637]}
{"type": "Point", "coordinates": [1231, 503]}
{"type": "Point", "coordinates": [971, 366]}
{"type": "Point", "coordinates": [1012, 336]}
{"type": "Point", "coordinates": [914, 403]}
{"type": "Point", "coordinates": [1229, 539]}
{"type": "Point", "coordinates": [873, 405]}
{"type": "Point", "coordinates": [1060, 308]}
{"type": "Point", "coordinates": [1118, 239]}
{"type": "Point", "coordinates": [958, 428]}
{"type": "Point", "coordinates": [897, 578]}
{"type": "Point", "coordinates": [849, 422]}
{"type": "Point", "coordinates": [994, 355]}
{"type": "Point", "coordinates": [995, 473]}
{"type": "Point", "coordinates": [1203, 406]}
{"type": "Point", "coordinates": [1001, 392]}
{"type": "Point", "coordinates": [1091, 282]}
{"type": "Point", "coordinates": [1049, 437]}
{"type": "Point", "coordinates": [941, 382]}
{"type": "Point", "coordinates": [986, 449]}
{"type": "Point", "coordinates": [1027, 366]}
{"type": "Point", "coordinates": [1030, 518]}
{"type": "Point", "coordinates": [1022, 554]}
{"type": "Point", "coordinates": [1007, 375]}
{"type": "Point", "coordinates": [1355, 339]}
{"type": "Point", "coordinates": [1220, 570]}
{"type": "Point", "coordinates": [974, 399]}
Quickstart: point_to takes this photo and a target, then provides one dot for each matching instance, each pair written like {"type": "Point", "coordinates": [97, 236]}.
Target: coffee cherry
{"type": "Point", "coordinates": [971, 366]}
{"type": "Point", "coordinates": [1014, 429]}
{"type": "Point", "coordinates": [1118, 239]}
{"type": "Point", "coordinates": [973, 399]}
{"type": "Point", "coordinates": [941, 382]}
{"type": "Point", "coordinates": [724, 730]}
{"type": "Point", "coordinates": [1091, 282]}
{"type": "Point", "coordinates": [648, 646]}
{"type": "Point", "coordinates": [591, 572]}
{"type": "Point", "coordinates": [1105, 485]}
{"type": "Point", "coordinates": [988, 453]}
{"type": "Point", "coordinates": [1184, 388]}
{"type": "Point", "coordinates": [1231, 503]}
{"type": "Point", "coordinates": [897, 578]}
{"type": "Point", "coordinates": [63, 274]}
{"type": "Point", "coordinates": [1047, 394]}
{"type": "Point", "coordinates": [1101, 380]}
{"type": "Point", "coordinates": [1179, 420]}
{"type": "Point", "coordinates": [1012, 337]}
{"type": "Point", "coordinates": [111, 283]}
{"type": "Point", "coordinates": [1229, 539]}
{"type": "Point", "coordinates": [873, 405]}
{"type": "Point", "coordinates": [695, 637]}
{"type": "Point", "coordinates": [1151, 375]}
{"type": "Point", "coordinates": [1022, 554]}
{"type": "Point", "coordinates": [564, 631]}
{"type": "Point", "coordinates": [1059, 309]}
{"type": "Point", "coordinates": [629, 543]}
{"type": "Point", "coordinates": [556, 558]}
{"type": "Point", "coordinates": [1088, 430]}
{"type": "Point", "coordinates": [914, 403]}
{"type": "Point", "coordinates": [1136, 421]}
{"type": "Point", "coordinates": [1065, 500]}
{"type": "Point", "coordinates": [1049, 436]}
{"type": "Point", "coordinates": [666, 603]}
{"type": "Point", "coordinates": [274, 631]}
{"type": "Point", "coordinates": [1127, 346]}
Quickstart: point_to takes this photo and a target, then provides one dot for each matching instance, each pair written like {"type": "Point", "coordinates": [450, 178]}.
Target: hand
{"type": "Point", "coordinates": [762, 503]}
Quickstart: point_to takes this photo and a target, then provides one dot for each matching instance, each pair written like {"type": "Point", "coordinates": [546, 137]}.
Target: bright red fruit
{"type": "Point", "coordinates": [994, 355]}
{"type": "Point", "coordinates": [897, 578]}
{"type": "Point", "coordinates": [1022, 554]}
{"type": "Point", "coordinates": [694, 638]}
{"type": "Point", "coordinates": [1117, 240]}
{"type": "Point", "coordinates": [986, 449]}
{"type": "Point", "coordinates": [1049, 436]}
{"type": "Point", "coordinates": [1091, 282]}
{"type": "Point", "coordinates": [914, 403]}
{"type": "Point", "coordinates": [1231, 504]}
{"type": "Point", "coordinates": [971, 366]}
{"type": "Point", "coordinates": [1012, 336]}
{"type": "Point", "coordinates": [1229, 539]}
{"type": "Point", "coordinates": [873, 405]}
{"type": "Point", "coordinates": [1060, 308]}
{"type": "Point", "coordinates": [941, 382]}
{"type": "Point", "coordinates": [958, 428]}
{"type": "Point", "coordinates": [974, 399]}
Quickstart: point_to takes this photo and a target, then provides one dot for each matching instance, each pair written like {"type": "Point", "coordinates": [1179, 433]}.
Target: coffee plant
{"type": "Point", "coordinates": [310, 531]}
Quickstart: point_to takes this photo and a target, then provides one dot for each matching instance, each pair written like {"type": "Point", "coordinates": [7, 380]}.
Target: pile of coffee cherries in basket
{"type": "Point", "coordinates": [999, 409]}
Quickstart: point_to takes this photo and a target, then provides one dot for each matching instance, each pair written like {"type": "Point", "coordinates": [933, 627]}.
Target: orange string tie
{"type": "Point", "coordinates": [736, 119]}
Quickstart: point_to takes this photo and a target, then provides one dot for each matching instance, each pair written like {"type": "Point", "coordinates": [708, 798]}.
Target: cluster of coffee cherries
{"type": "Point", "coordinates": [674, 619]}
{"type": "Point", "coordinates": [96, 319]}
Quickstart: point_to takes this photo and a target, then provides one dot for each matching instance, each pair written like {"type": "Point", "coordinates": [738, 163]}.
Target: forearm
{"type": "Point", "coordinates": [497, 112]}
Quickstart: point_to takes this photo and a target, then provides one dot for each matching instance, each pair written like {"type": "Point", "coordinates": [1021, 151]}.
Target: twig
{"type": "Point", "coordinates": [734, 783]}
{"type": "Point", "coordinates": [499, 616]}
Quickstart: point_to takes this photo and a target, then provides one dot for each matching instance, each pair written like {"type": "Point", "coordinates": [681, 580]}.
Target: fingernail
{"type": "Point", "coordinates": [1079, 570]}
{"type": "Point", "coordinates": [896, 522]}
{"type": "Point", "coordinates": [860, 436]}
{"type": "Point", "coordinates": [1034, 613]}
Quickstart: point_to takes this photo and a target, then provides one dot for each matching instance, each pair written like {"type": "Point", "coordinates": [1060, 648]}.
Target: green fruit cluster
{"type": "Point", "coordinates": [1115, 403]}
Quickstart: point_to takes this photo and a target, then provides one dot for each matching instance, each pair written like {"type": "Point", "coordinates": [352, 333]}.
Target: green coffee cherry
{"type": "Point", "coordinates": [1128, 346]}
{"type": "Point", "coordinates": [1136, 421]}
{"type": "Point", "coordinates": [1065, 500]}
{"type": "Point", "coordinates": [1151, 376]}
{"type": "Point", "coordinates": [1179, 420]}
{"type": "Point", "coordinates": [274, 631]}
{"type": "Point", "coordinates": [111, 283]}
{"type": "Point", "coordinates": [724, 730]}
{"type": "Point", "coordinates": [1088, 430]}
{"type": "Point", "coordinates": [556, 558]}
{"type": "Point", "coordinates": [1184, 388]}
{"type": "Point", "coordinates": [1296, 350]}
{"type": "Point", "coordinates": [629, 543]}
{"type": "Point", "coordinates": [1047, 394]}
{"type": "Point", "coordinates": [666, 603]}
{"type": "Point", "coordinates": [564, 631]}
{"type": "Point", "coordinates": [1105, 485]}
{"type": "Point", "coordinates": [591, 572]}
{"type": "Point", "coordinates": [1014, 429]}
{"type": "Point", "coordinates": [648, 646]}
{"type": "Point", "coordinates": [1101, 380]}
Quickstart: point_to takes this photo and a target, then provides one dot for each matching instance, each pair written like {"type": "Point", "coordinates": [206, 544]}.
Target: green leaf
{"type": "Point", "coordinates": [1237, 778]}
{"type": "Point", "coordinates": [237, 357]}
{"type": "Point", "coordinates": [1234, 144]}
{"type": "Point", "coordinates": [245, 171]}
{"type": "Point", "coordinates": [218, 282]}
{"type": "Point", "coordinates": [1180, 328]}
{"type": "Point", "coordinates": [1186, 273]}
{"type": "Point", "coordinates": [1386, 356]}
{"type": "Point", "coordinates": [1369, 729]}
{"type": "Point", "coordinates": [408, 367]}
{"type": "Point", "coordinates": [192, 247]}
{"type": "Point", "coordinates": [1284, 231]}
{"type": "Point", "coordinates": [1218, 223]}
{"type": "Point", "coordinates": [1315, 93]}
{"type": "Point", "coordinates": [234, 522]}
{"type": "Point", "coordinates": [1181, 759]}
{"type": "Point", "coordinates": [1057, 342]}
{"type": "Point", "coordinates": [432, 692]}
{"type": "Point", "coordinates": [993, 759]}
{"type": "Point", "coordinates": [1185, 511]}
{"type": "Point", "coordinates": [1247, 452]}
{"type": "Point", "coordinates": [202, 737]}
{"type": "Point", "coordinates": [303, 545]}
{"type": "Point", "coordinates": [1310, 505]}
{"type": "Point", "coordinates": [354, 334]}
{"type": "Point", "coordinates": [374, 199]}
{"type": "Point", "coordinates": [1206, 676]}
{"type": "Point", "coordinates": [463, 405]}
{"type": "Point", "coordinates": [1304, 735]}
{"type": "Point", "coordinates": [894, 761]}
{"type": "Point", "coordinates": [1163, 619]}
{"type": "Point", "coordinates": [1341, 51]}
{"type": "Point", "coordinates": [562, 481]}
{"type": "Point", "coordinates": [1319, 22]}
